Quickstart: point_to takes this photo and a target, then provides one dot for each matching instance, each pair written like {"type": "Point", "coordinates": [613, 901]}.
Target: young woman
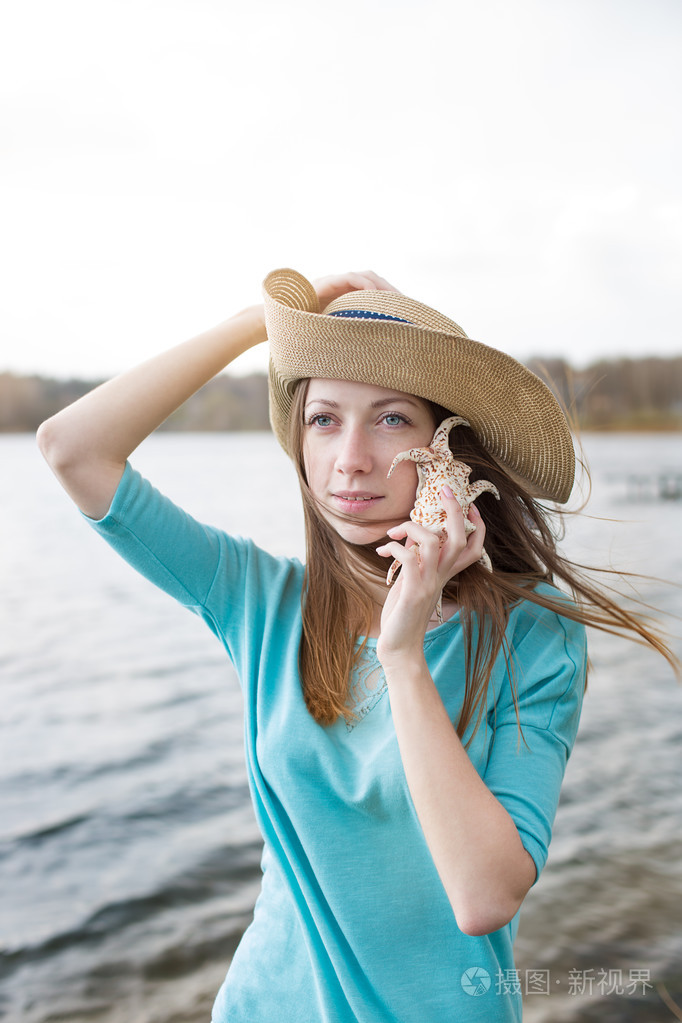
{"type": "Point", "coordinates": [405, 773]}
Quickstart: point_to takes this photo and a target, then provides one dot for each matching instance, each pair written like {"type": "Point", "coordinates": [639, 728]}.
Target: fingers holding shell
{"type": "Point", "coordinates": [417, 538]}
{"type": "Point", "coordinates": [462, 548]}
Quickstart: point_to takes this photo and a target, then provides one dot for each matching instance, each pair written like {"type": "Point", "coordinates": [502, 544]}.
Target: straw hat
{"type": "Point", "coordinates": [389, 340]}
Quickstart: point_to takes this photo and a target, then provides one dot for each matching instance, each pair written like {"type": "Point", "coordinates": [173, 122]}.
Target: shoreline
{"type": "Point", "coordinates": [606, 428]}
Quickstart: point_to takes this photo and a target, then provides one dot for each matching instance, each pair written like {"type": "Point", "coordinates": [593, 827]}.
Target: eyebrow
{"type": "Point", "coordinates": [381, 403]}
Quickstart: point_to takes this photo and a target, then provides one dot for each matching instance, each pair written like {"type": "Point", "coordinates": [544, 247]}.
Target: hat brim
{"type": "Point", "coordinates": [513, 413]}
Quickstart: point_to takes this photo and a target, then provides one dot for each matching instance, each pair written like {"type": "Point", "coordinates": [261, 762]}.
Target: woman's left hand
{"type": "Point", "coordinates": [330, 288]}
{"type": "Point", "coordinates": [425, 569]}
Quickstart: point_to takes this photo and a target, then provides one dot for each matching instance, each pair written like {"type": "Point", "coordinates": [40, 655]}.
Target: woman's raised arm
{"type": "Point", "coordinates": [87, 444]}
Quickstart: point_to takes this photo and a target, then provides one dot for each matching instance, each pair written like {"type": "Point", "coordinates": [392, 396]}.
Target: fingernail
{"type": "Point", "coordinates": [447, 491]}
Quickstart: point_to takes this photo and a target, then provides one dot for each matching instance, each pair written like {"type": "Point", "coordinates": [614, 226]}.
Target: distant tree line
{"type": "Point", "coordinates": [618, 394]}
{"type": "Point", "coordinates": [615, 394]}
{"type": "Point", "coordinates": [225, 403]}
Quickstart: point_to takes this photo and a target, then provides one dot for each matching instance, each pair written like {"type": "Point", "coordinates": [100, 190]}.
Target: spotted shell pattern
{"type": "Point", "coordinates": [436, 468]}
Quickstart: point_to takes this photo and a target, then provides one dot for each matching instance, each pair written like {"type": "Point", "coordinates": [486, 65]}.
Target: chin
{"type": "Point", "coordinates": [360, 533]}
{"type": "Point", "coordinates": [361, 529]}
{"type": "Point", "coordinates": [374, 538]}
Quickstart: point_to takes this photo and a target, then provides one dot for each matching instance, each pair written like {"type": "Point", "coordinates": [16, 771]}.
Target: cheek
{"type": "Point", "coordinates": [405, 472]}
{"type": "Point", "coordinates": [405, 486]}
{"type": "Point", "coordinates": [307, 456]}
{"type": "Point", "coordinates": [312, 466]}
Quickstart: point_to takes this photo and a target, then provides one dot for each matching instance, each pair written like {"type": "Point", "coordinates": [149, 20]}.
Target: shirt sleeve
{"type": "Point", "coordinates": [526, 768]}
{"type": "Point", "coordinates": [160, 540]}
{"type": "Point", "coordinates": [244, 594]}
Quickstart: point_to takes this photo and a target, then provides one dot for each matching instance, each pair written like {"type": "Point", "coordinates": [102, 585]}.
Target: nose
{"type": "Point", "coordinates": [353, 454]}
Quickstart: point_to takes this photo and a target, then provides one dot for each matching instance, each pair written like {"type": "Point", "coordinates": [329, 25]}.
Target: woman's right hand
{"type": "Point", "coordinates": [329, 288]}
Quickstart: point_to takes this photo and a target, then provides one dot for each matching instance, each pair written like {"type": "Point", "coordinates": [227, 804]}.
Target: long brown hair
{"type": "Point", "coordinates": [521, 539]}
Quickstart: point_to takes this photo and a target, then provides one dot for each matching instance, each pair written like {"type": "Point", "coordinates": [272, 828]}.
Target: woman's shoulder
{"type": "Point", "coordinates": [186, 557]}
{"type": "Point", "coordinates": [547, 611]}
{"type": "Point", "coordinates": [548, 653]}
{"type": "Point", "coordinates": [545, 599]}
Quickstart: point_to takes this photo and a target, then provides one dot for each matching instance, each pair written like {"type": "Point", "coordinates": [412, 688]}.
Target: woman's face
{"type": "Point", "coordinates": [351, 434]}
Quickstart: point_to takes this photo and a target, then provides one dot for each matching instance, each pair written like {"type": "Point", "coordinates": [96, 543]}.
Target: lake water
{"type": "Point", "coordinates": [129, 856]}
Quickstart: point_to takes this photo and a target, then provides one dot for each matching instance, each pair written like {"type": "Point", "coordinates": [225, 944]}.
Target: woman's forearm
{"type": "Point", "coordinates": [476, 848]}
{"type": "Point", "coordinates": [87, 444]}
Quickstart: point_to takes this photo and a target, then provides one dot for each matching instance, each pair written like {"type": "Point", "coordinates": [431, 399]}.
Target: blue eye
{"type": "Point", "coordinates": [394, 419]}
{"type": "Point", "coordinates": [319, 420]}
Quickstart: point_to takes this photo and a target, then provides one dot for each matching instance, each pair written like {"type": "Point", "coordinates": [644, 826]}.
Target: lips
{"type": "Point", "coordinates": [355, 495]}
{"type": "Point", "coordinates": [354, 502]}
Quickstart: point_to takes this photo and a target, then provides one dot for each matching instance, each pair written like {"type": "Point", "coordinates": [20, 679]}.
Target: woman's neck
{"type": "Point", "coordinates": [375, 586]}
{"type": "Point", "coordinates": [450, 609]}
{"type": "Point", "coordinates": [378, 591]}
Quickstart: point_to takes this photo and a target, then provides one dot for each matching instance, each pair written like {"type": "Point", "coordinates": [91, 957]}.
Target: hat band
{"type": "Point", "coordinates": [363, 314]}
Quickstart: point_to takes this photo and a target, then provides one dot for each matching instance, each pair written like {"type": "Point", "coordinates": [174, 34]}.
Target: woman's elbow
{"type": "Point", "coordinates": [48, 440]}
{"type": "Point", "coordinates": [486, 917]}
{"type": "Point", "coordinates": [62, 446]}
{"type": "Point", "coordinates": [492, 906]}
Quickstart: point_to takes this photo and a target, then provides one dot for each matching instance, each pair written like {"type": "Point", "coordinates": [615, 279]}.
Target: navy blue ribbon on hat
{"type": "Point", "coordinates": [363, 314]}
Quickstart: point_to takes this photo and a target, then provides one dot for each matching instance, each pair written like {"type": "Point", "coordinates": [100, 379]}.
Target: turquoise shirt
{"type": "Point", "coordinates": [352, 922]}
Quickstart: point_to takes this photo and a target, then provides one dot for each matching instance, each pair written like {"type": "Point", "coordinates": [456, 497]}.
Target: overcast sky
{"type": "Point", "coordinates": [515, 163]}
